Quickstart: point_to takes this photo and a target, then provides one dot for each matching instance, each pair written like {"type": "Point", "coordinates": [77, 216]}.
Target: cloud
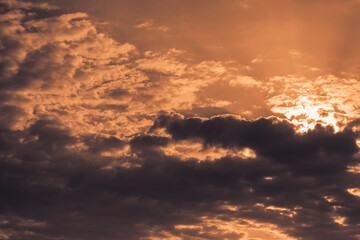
{"type": "Point", "coordinates": [287, 184]}
{"type": "Point", "coordinates": [61, 66]}
{"type": "Point", "coordinates": [326, 100]}
{"type": "Point", "coordinates": [244, 81]}
{"type": "Point", "coordinates": [88, 149]}
{"type": "Point", "coordinates": [149, 25]}
{"type": "Point", "coordinates": [269, 138]}
{"type": "Point", "coordinates": [186, 150]}
{"type": "Point", "coordinates": [315, 158]}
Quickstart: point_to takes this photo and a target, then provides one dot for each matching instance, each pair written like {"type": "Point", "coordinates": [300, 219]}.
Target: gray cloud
{"type": "Point", "coordinates": [44, 181]}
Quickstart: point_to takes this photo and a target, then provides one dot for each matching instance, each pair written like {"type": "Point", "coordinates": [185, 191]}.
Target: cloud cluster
{"type": "Point", "coordinates": [89, 151]}
{"type": "Point", "coordinates": [298, 182]}
{"type": "Point", "coordinates": [59, 66]}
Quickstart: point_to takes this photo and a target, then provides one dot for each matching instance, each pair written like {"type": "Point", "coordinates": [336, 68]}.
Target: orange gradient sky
{"type": "Point", "coordinates": [180, 119]}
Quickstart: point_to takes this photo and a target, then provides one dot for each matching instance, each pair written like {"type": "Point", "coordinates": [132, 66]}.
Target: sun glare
{"type": "Point", "coordinates": [327, 100]}
{"type": "Point", "coordinates": [306, 115]}
{"type": "Point", "coordinates": [195, 150]}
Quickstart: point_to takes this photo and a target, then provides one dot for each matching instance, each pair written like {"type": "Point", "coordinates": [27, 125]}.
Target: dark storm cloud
{"type": "Point", "coordinates": [8, 115]}
{"type": "Point", "coordinates": [306, 167]}
{"type": "Point", "coordinates": [55, 192]}
{"type": "Point", "coordinates": [49, 136]}
{"type": "Point", "coordinates": [143, 142]}
{"type": "Point", "coordinates": [98, 144]}
{"type": "Point", "coordinates": [318, 151]}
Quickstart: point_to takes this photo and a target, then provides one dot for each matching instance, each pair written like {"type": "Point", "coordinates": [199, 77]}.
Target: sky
{"type": "Point", "coordinates": [179, 119]}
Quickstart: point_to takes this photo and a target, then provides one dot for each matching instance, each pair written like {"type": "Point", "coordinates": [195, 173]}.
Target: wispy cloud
{"type": "Point", "coordinates": [150, 25]}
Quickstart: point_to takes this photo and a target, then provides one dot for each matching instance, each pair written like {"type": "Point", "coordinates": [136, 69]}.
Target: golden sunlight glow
{"type": "Point", "coordinates": [354, 169]}
{"type": "Point", "coordinates": [117, 152]}
{"type": "Point", "coordinates": [340, 220]}
{"type": "Point", "coordinates": [327, 100]}
{"type": "Point", "coordinates": [354, 191]}
{"type": "Point", "coordinates": [329, 199]}
{"type": "Point", "coordinates": [190, 149]}
{"type": "Point", "coordinates": [246, 229]}
{"type": "Point", "coordinates": [307, 114]}
{"type": "Point", "coordinates": [281, 211]}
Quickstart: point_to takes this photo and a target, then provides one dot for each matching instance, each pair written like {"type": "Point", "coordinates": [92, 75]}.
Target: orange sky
{"type": "Point", "coordinates": [182, 92]}
{"type": "Point", "coordinates": [311, 41]}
